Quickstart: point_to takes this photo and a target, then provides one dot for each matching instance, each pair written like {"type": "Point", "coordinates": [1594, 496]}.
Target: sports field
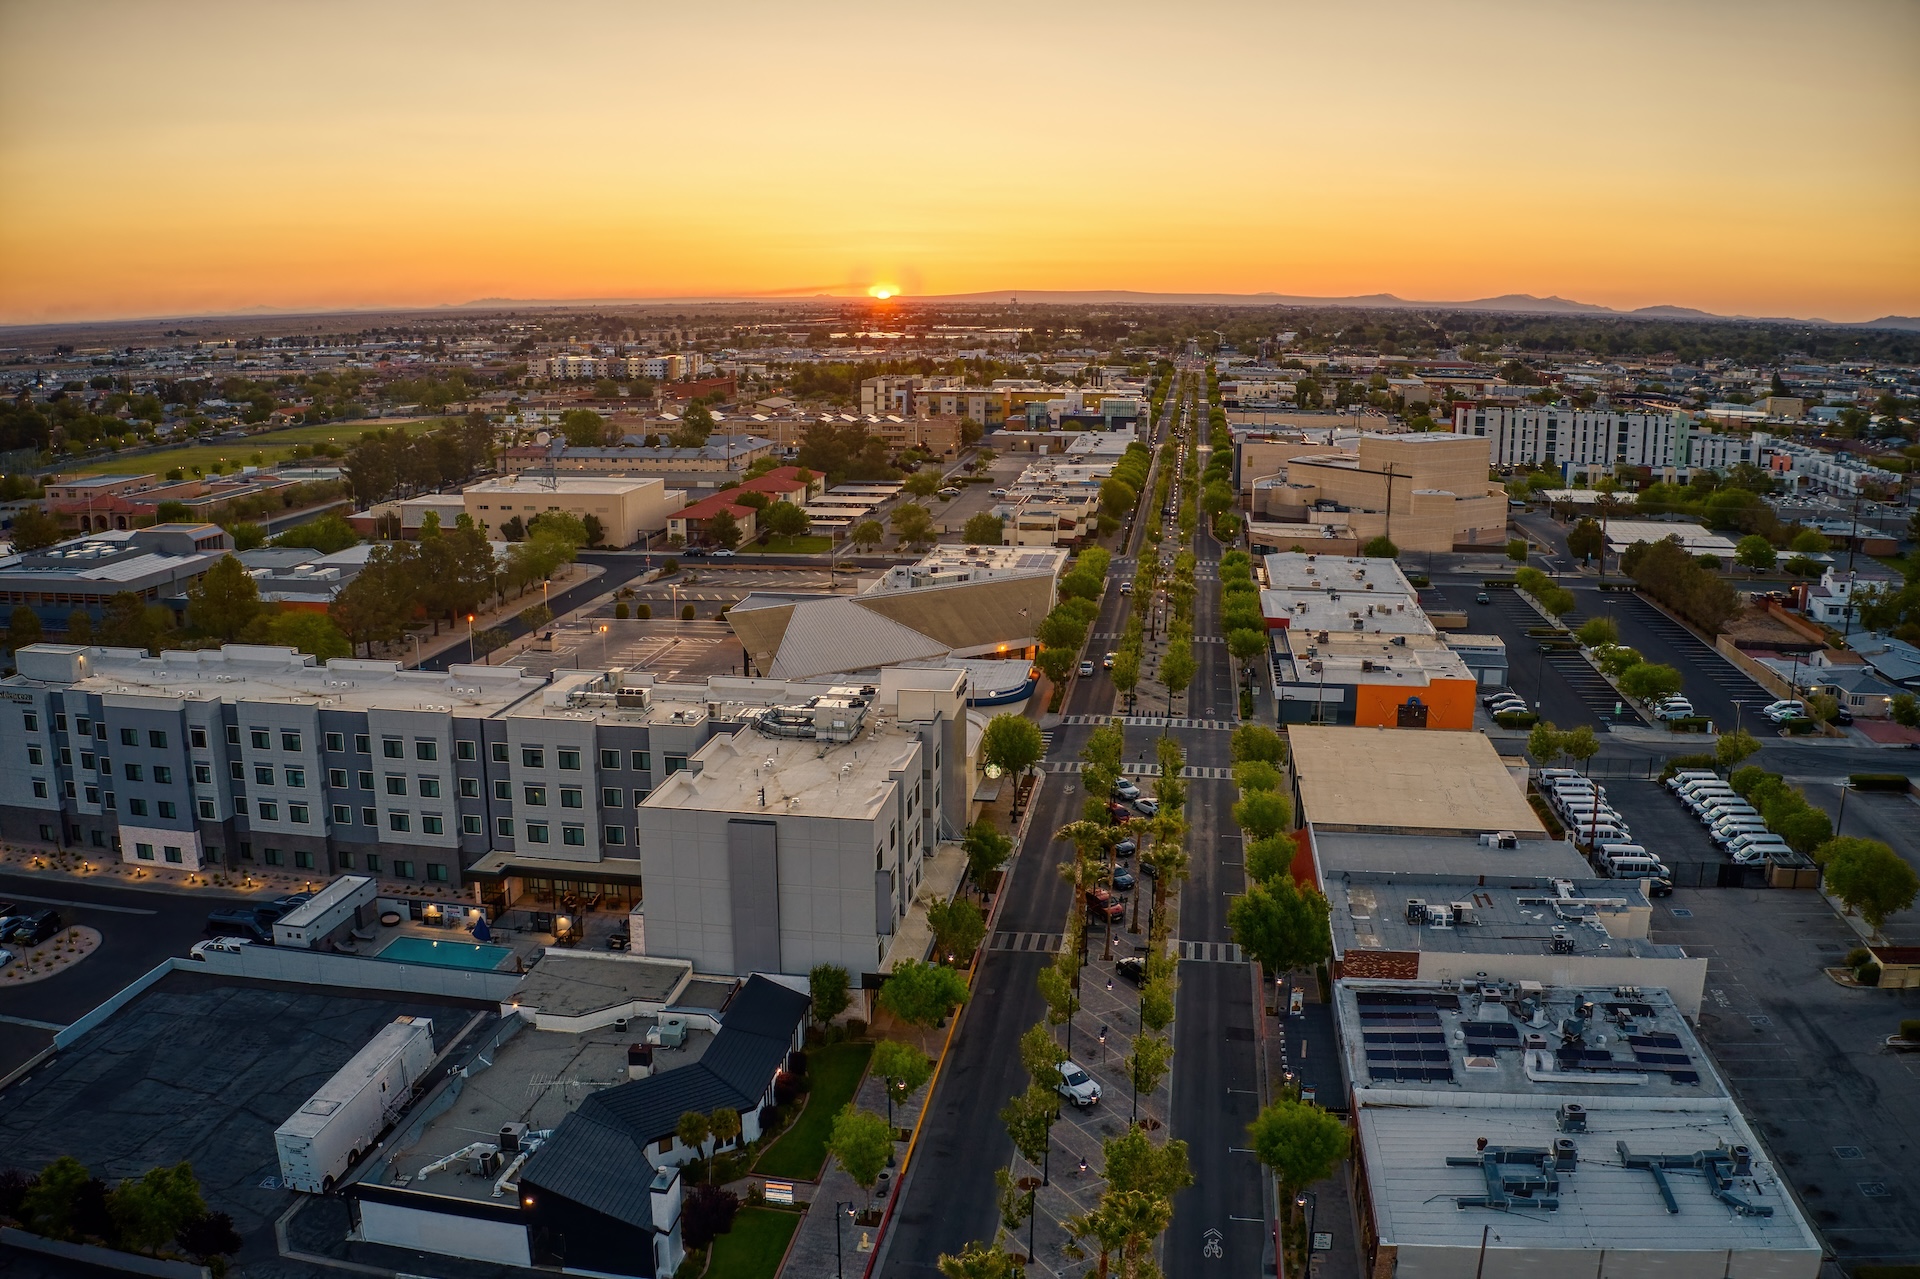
{"type": "Point", "coordinates": [255, 450]}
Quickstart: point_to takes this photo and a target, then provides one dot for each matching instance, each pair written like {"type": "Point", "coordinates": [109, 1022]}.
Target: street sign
{"type": "Point", "coordinates": [1322, 1241]}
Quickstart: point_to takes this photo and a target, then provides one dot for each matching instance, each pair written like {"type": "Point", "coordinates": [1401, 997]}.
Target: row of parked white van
{"type": "Point", "coordinates": [1735, 825]}
{"type": "Point", "coordinates": [1581, 804]}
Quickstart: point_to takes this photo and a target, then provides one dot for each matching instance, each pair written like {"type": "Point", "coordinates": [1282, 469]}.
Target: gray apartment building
{"type": "Point", "coordinates": [247, 757]}
{"type": "Point", "coordinates": [82, 574]}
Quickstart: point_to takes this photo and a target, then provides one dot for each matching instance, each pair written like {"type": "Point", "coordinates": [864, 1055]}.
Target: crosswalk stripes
{"type": "Point", "coordinates": [1048, 942]}
{"type": "Point", "coordinates": [1046, 742]}
{"type": "Point", "coordinates": [1156, 721]}
{"type": "Point", "coordinates": [1201, 773]}
{"type": "Point", "coordinates": [1216, 952]}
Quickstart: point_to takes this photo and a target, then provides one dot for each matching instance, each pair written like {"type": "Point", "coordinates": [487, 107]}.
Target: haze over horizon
{"type": "Point", "coordinates": [216, 157]}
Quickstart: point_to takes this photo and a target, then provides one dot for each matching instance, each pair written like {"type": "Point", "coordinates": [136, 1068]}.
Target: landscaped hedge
{"type": "Point", "coordinates": [1517, 719]}
{"type": "Point", "coordinates": [1689, 724]}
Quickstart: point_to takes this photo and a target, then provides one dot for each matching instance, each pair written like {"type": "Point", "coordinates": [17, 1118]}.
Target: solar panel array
{"type": "Point", "coordinates": [1485, 1038]}
{"type": "Point", "coordinates": [1661, 1051]}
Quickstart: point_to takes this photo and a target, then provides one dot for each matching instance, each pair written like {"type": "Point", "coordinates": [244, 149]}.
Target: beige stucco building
{"type": "Point", "coordinates": [628, 509]}
{"type": "Point", "coordinates": [1426, 491]}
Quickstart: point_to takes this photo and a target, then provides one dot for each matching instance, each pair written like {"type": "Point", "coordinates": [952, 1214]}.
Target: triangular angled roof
{"type": "Point", "coordinates": [829, 635]}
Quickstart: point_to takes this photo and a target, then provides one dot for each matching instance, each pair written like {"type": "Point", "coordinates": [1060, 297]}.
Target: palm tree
{"type": "Point", "coordinates": [1169, 834]}
{"type": "Point", "coordinates": [725, 1126]}
{"type": "Point", "coordinates": [1090, 839]}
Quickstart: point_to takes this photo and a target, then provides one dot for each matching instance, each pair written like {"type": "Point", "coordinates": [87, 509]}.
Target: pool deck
{"type": "Point", "coordinates": [460, 943]}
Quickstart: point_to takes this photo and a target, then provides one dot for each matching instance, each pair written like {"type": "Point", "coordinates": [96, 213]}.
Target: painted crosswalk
{"type": "Point", "coordinates": [1049, 942]}
{"type": "Point", "coordinates": [1157, 721]}
{"type": "Point", "coordinates": [1138, 770]}
{"type": "Point", "coordinates": [1216, 952]}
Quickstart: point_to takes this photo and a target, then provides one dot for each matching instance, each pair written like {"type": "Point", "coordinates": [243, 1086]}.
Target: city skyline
{"type": "Point", "coordinates": [215, 158]}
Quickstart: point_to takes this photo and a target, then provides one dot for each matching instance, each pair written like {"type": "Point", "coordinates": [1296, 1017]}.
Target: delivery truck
{"type": "Point", "coordinates": [322, 1139]}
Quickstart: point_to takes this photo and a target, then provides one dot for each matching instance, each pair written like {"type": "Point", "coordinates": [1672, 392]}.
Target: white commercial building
{"type": "Point", "coordinates": [1555, 435]}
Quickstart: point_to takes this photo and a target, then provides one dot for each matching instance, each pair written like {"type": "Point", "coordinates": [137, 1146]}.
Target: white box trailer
{"type": "Point", "coordinates": [319, 1141]}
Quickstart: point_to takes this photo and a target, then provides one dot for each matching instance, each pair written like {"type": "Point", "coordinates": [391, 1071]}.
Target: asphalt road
{"type": "Point", "coordinates": [137, 930]}
{"type": "Point", "coordinates": [948, 1199]}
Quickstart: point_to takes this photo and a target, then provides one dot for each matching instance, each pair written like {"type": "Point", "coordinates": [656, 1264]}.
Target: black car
{"type": "Point", "coordinates": [1659, 887]}
{"type": "Point", "coordinates": [32, 927]}
{"type": "Point", "coordinates": [255, 923]}
{"type": "Point", "coordinates": [1133, 968]}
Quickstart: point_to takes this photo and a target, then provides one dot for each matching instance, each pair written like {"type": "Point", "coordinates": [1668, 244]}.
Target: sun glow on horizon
{"type": "Point", "coordinates": [881, 292]}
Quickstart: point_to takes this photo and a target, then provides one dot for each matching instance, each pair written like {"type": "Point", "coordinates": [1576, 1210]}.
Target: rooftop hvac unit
{"type": "Point", "coordinates": [1463, 913]}
{"type": "Point", "coordinates": [1416, 911]}
{"type": "Point", "coordinates": [1573, 1117]}
{"type": "Point", "coordinates": [512, 1137]}
{"type": "Point", "coordinates": [1440, 916]}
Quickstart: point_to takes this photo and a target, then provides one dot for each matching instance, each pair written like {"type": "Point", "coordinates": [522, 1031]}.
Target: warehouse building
{"type": "Point", "coordinates": [629, 510]}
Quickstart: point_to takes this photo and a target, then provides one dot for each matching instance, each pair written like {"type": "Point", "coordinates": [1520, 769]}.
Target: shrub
{"type": "Point", "coordinates": [621, 612]}
{"type": "Point", "coordinates": [643, 610]}
{"type": "Point", "coordinates": [1857, 956]}
{"type": "Point", "coordinates": [1687, 763]}
{"type": "Point", "coordinates": [707, 1212]}
{"type": "Point", "coordinates": [1516, 719]}
{"type": "Point", "coordinates": [686, 612]}
{"type": "Point", "coordinates": [1867, 974]}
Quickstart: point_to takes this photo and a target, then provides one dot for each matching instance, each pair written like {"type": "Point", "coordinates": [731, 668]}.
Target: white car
{"type": "Point", "coordinates": [1076, 1085]}
{"type": "Point", "coordinates": [1124, 789]}
{"type": "Point", "coordinates": [1148, 805]}
{"type": "Point", "coordinates": [1676, 710]}
{"type": "Point", "coordinates": [217, 946]}
{"type": "Point", "coordinates": [1785, 709]}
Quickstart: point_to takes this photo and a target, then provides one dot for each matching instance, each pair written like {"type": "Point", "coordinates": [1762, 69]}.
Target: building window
{"type": "Point", "coordinates": [470, 824]}
{"type": "Point", "coordinates": [345, 860]}
{"type": "Point", "coordinates": [574, 835]}
{"type": "Point", "coordinates": [32, 722]}
{"type": "Point", "coordinates": [609, 759]}
{"type": "Point", "coordinates": [262, 739]}
{"type": "Point", "coordinates": [143, 851]}
{"type": "Point", "coordinates": [86, 759]}
{"type": "Point", "coordinates": [469, 788]}
{"type": "Point", "coordinates": [156, 739]}
{"type": "Point", "coordinates": [499, 751]}
{"type": "Point", "coordinates": [643, 761]}
{"type": "Point", "coordinates": [640, 797]}
{"type": "Point", "coordinates": [615, 835]}
{"type": "Point", "coordinates": [373, 862]}
{"type": "Point", "coordinates": [336, 742]}
{"type": "Point", "coordinates": [366, 781]}
{"type": "Point", "coordinates": [503, 827]}
{"type": "Point", "coordinates": [303, 859]}
{"type": "Point", "coordinates": [296, 813]}
{"type": "Point", "coordinates": [289, 740]}
{"type": "Point", "coordinates": [237, 771]}
{"type": "Point", "coordinates": [430, 824]}
{"type": "Point", "coordinates": [162, 775]}
{"type": "Point", "coordinates": [269, 811]}
{"type": "Point", "coordinates": [396, 784]}
{"type": "Point", "coordinates": [133, 772]}
{"type": "Point", "coordinates": [675, 763]}
{"type": "Point", "coordinates": [533, 757]}
{"type": "Point", "coordinates": [167, 809]}
{"type": "Point", "coordinates": [93, 794]}
{"type": "Point", "coordinates": [465, 750]}
{"type": "Point", "coordinates": [569, 759]}
{"type": "Point", "coordinates": [233, 734]}
{"type": "Point", "coordinates": [262, 775]}
{"type": "Point", "coordinates": [393, 748]}
{"type": "Point", "coordinates": [342, 815]}
{"type": "Point", "coordinates": [503, 791]}
{"type": "Point", "coordinates": [429, 787]}
{"type": "Point", "coordinates": [138, 807]}
{"type": "Point", "coordinates": [402, 869]}
{"type": "Point", "coordinates": [437, 872]}
{"type": "Point", "coordinates": [128, 737]}
{"type": "Point", "coordinates": [537, 796]}
{"type": "Point", "coordinates": [337, 778]}
{"type": "Point", "coordinates": [612, 797]}
{"type": "Point", "coordinates": [34, 756]}
{"type": "Point", "coordinates": [536, 832]}
{"type": "Point", "coordinates": [84, 727]}
{"type": "Point", "coordinates": [246, 851]}
{"type": "Point", "coordinates": [423, 749]}
{"type": "Point", "coordinates": [207, 810]}
{"type": "Point", "coordinates": [369, 817]}
{"type": "Point", "coordinates": [172, 854]}
{"type": "Point", "coordinates": [271, 856]}
{"type": "Point", "coordinates": [399, 821]}
{"type": "Point", "coordinates": [569, 797]}
{"type": "Point", "coordinates": [362, 744]}
{"type": "Point", "coordinates": [296, 778]}
{"type": "Point", "coordinates": [203, 774]}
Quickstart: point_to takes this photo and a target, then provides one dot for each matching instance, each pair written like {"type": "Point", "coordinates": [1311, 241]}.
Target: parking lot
{"type": "Point", "coordinates": [203, 1069]}
{"type": "Point", "coordinates": [1717, 688]}
{"type": "Point", "coordinates": [1806, 1060]}
{"type": "Point", "coordinates": [1663, 826]}
{"type": "Point", "coordinates": [1545, 679]}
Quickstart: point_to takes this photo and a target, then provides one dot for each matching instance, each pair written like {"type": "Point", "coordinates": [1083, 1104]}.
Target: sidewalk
{"type": "Point", "coordinates": [1334, 1210]}
{"type": "Point", "coordinates": [454, 637]}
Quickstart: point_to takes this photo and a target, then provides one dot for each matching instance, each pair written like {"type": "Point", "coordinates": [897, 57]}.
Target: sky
{"type": "Point", "coordinates": [1744, 157]}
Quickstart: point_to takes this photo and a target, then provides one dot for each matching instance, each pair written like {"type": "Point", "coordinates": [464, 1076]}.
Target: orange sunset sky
{"type": "Point", "coordinates": [187, 157]}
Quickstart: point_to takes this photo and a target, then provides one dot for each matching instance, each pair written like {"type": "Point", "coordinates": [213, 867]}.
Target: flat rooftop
{"type": "Point", "coordinates": [1406, 781]}
{"type": "Point", "coordinates": [1334, 613]}
{"type": "Point", "coordinates": [1535, 915]}
{"type": "Point", "coordinates": [576, 985]}
{"type": "Point", "coordinates": [536, 1077]}
{"type": "Point", "coordinates": [1343, 852]}
{"type": "Point", "coordinates": [1425, 1042]}
{"type": "Point", "coordinates": [261, 673]}
{"type": "Point", "coordinates": [585, 485]}
{"type": "Point", "coordinates": [950, 564]}
{"type": "Point", "coordinates": [732, 772]}
{"type": "Point", "coordinates": [1345, 574]}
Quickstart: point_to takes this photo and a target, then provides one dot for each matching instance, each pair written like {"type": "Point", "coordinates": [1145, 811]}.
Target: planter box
{"type": "Point", "coordinates": [107, 1258]}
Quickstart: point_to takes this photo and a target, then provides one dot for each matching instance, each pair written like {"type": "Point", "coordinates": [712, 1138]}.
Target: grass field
{"type": "Point", "coordinates": [755, 1246]}
{"type": "Point", "coordinates": [802, 1150]}
{"type": "Point", "coordinates": [272, 446]}
{"type": "Point", "coordinates": [796, 545]}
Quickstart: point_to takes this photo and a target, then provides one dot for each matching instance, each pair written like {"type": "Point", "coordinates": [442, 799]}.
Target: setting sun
{"type": "Point", "coordinates": [882, 291]}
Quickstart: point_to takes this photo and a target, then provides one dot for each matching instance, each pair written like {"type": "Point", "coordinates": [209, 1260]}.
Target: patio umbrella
{"type": "Point", "coordinates": [480, 930]}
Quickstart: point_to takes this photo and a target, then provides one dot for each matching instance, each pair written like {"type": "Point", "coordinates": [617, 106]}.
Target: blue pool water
{"type": "Point", "coordinates": [444, 954]}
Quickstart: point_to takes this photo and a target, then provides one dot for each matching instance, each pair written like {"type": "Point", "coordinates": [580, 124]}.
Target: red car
{"type": "Point", "coordinates": [1106, 905]}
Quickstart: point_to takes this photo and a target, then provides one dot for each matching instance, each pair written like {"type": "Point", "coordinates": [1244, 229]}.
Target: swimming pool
{"type": "Point", "coordinates": [444, 954]}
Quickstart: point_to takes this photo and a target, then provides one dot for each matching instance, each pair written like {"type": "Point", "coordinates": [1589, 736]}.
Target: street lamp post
{"type": "Point", "coordinates": [839, 1260]}
{"type": "Point", "coordinates": [415, 637]}
{"type": "Point", "coordinates": [1311, 1202]}
{"type": "Point", "coordinates": [470, 642]}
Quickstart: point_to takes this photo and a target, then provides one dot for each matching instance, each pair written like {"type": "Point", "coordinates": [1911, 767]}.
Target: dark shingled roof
{"type": "Point", "coordinates": [597, 1156]}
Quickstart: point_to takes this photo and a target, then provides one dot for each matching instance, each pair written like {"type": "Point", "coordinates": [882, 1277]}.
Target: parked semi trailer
{"type": "Point", "coordinates": [321, 1140]}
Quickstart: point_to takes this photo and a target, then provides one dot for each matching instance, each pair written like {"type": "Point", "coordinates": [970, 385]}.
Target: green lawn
{"type": "Point", "coordinates": [797, 545]}
{"type": "Point", "coordinates": [273, 446]}
{"type": "Point", "coordinates": [801, 1151]}
{"type": "Point", "coordinates": [755, 1246]}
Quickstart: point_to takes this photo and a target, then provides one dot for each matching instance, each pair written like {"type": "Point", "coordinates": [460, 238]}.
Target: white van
{"type": "Point", "coordinates": [1713, 787]}
{"type": "Point", "coordinates": [1585, 814]}
{"type": "Point", "coordinates": [1624, 850]}
{"type": "Point", "coordinates": [1758, 839]}
{"type": "Point", "coordinates": [1688, 776]}
{"type": "Point", "coordinates": [1636, 866]}
{"type": "Point", "coordinates": [1719, 809]}
{"type": "Point", "coordinates": [1726, 834]}
{"type": "Point", "coordinates": [1601, 835]}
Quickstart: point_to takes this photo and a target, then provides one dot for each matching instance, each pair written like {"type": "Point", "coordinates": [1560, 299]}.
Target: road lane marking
{"type": "Point", "coordinates": [61, 901]}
